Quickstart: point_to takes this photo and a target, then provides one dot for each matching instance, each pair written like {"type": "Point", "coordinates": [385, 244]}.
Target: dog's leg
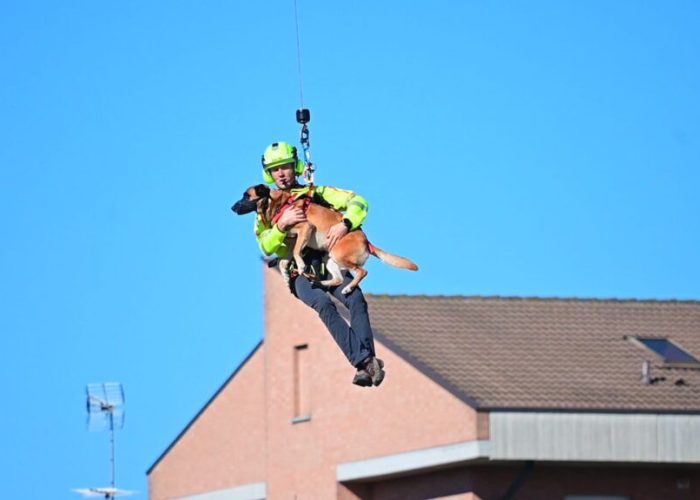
{"type": "Point", "coordinates": [360, 274]}
{"type": "Point", "coordinates": [335, 271]}
{"type": "Point", "coordinates": [351, 253]}
{"type": "Point", "coordinates": [303, 232]}
{"type": "Point", "coordinates": [283, 266]}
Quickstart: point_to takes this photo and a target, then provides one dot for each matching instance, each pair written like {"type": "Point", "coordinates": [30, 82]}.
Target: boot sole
{"type": "Point", "coordinates": [379, 376]}
{"type": "Point", "coordinates": [363, 381]}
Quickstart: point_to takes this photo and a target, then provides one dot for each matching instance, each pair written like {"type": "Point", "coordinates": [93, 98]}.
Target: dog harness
{"type": "Point", "coordinates": [307, 196]}
{"type": "Point", "coordinates": [354, 208]}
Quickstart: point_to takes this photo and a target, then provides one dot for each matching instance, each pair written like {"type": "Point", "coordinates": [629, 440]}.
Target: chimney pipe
{"type": "Point", "coordinates": [646, 372]}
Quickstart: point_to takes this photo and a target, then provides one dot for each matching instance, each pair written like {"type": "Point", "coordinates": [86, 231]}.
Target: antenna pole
{"type": "Point", "coordinates": [111, 429]}
{"type": "Point", "coordinates": [105, 409]}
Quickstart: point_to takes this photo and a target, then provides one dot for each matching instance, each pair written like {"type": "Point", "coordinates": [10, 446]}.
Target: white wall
{"type": "Point", "coordinates": [595, 437]}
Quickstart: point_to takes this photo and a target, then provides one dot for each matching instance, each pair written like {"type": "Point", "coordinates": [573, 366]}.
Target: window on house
{"type": "Point", "coordinates": [670, 352]}
{"type": "Point", "coordinates": [302, 393]}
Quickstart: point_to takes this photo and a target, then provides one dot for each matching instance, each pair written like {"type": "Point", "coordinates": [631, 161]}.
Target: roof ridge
{"type": "Point", "coordinates": [534, 298]}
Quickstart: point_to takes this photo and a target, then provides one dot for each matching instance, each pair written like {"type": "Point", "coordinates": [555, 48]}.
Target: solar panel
{"type": "Point", "coordinates": [670, 352]}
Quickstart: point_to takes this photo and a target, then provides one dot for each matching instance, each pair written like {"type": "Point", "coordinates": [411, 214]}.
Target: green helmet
{"type": "Point", "coordinates": [280, 153]}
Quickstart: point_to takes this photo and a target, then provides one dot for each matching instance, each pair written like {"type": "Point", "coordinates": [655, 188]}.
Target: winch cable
{"type": "Point", "coordinates": [301, 79]}
{"type": "Point", "coordinates": [303, 115]}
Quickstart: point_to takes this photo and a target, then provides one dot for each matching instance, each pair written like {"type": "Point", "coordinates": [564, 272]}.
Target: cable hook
{"type": "Point", "coordinates": [303, 117]}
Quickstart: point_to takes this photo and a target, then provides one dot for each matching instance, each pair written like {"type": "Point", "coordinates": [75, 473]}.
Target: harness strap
{"type": "Point", "coordinates": [307, 197]}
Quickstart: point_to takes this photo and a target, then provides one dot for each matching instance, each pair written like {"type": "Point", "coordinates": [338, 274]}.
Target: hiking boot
{"type": "Point", "coordinates": [374, 370]}
{"type": "Point", "coordinates": [362, 378]}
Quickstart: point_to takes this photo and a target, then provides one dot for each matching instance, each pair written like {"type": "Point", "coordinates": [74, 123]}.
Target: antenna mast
{"type": "Point", "coordinates": [105, 407]}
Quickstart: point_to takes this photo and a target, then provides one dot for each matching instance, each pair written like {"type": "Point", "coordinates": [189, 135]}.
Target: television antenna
{"type": "Point", "coordinates": [105, 407]}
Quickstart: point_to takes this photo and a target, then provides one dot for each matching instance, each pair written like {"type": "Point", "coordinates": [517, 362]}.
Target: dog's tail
{"type": "Point", "coordinates": [391, 259]}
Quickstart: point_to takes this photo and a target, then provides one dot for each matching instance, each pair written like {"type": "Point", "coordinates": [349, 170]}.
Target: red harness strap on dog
{"type": "Point", "coordinates": [371, 249]}
{"type": "Point", "coordinates": [292, 199]}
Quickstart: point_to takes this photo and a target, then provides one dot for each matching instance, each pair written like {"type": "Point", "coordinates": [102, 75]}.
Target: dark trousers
{"type": "Point", "coordinates": [356, 341]}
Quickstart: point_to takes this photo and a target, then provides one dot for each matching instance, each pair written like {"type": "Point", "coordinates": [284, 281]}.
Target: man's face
{"type": "Point", "coordinates": [284, 176]}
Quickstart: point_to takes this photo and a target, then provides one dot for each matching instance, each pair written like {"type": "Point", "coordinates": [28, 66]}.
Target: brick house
{"type": "Point", "coordinates": [485, 398]}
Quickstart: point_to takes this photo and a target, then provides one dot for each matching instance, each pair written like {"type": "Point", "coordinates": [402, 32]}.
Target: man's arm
{"type": "Point", "coordinates": [271, 240]}
{"type": "Point", "coordinates": [354, 206]}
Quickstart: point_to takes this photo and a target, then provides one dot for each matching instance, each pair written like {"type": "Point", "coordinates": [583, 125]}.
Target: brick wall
{"type": "Point", "coordinates": [407, 412]}
{"type": "Point", "coordinates": [224, 446]}
{"type": "Point", "coordinates": [247, 434]}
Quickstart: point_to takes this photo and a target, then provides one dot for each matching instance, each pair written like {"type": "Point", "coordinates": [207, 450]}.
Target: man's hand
{"type": "Point", "coordinates": [336, 232]}
{"type": "Point", "coordinates": [291, 217]}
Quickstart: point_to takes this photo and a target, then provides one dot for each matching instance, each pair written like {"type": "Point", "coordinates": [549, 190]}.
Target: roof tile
{"type": "Point", "coordinates": [510, 352]}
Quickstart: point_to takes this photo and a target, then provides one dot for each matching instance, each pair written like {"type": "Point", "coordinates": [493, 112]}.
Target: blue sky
{"type": "Point", "coordinates": [542, 148]}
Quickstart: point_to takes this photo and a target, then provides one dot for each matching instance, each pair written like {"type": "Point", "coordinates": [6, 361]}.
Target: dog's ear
{"type": "Point", "coordinates": [262, 191]}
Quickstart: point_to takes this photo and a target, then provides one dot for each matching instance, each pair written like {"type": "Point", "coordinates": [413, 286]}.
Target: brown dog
{"type": "Point", "coordinates": [350, 252]}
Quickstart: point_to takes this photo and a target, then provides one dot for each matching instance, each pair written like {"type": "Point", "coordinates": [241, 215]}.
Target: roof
{"type": "Point", "coordinates": [544, 354]}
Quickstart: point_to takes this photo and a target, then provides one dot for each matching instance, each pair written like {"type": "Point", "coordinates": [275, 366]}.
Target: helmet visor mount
{"type": "Point", "coordinates": [291, 163]}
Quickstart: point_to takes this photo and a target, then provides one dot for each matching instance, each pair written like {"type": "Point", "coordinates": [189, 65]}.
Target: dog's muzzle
{"type": "Point", "coordinates": [244, 206]}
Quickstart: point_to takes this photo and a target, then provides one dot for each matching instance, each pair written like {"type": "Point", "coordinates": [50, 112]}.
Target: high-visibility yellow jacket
{"type": "Point", "coordinates": [353, 206]}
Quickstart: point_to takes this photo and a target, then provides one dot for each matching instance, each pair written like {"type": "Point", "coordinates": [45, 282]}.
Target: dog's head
{"type": "Point", "coordinates": [255, 198]}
